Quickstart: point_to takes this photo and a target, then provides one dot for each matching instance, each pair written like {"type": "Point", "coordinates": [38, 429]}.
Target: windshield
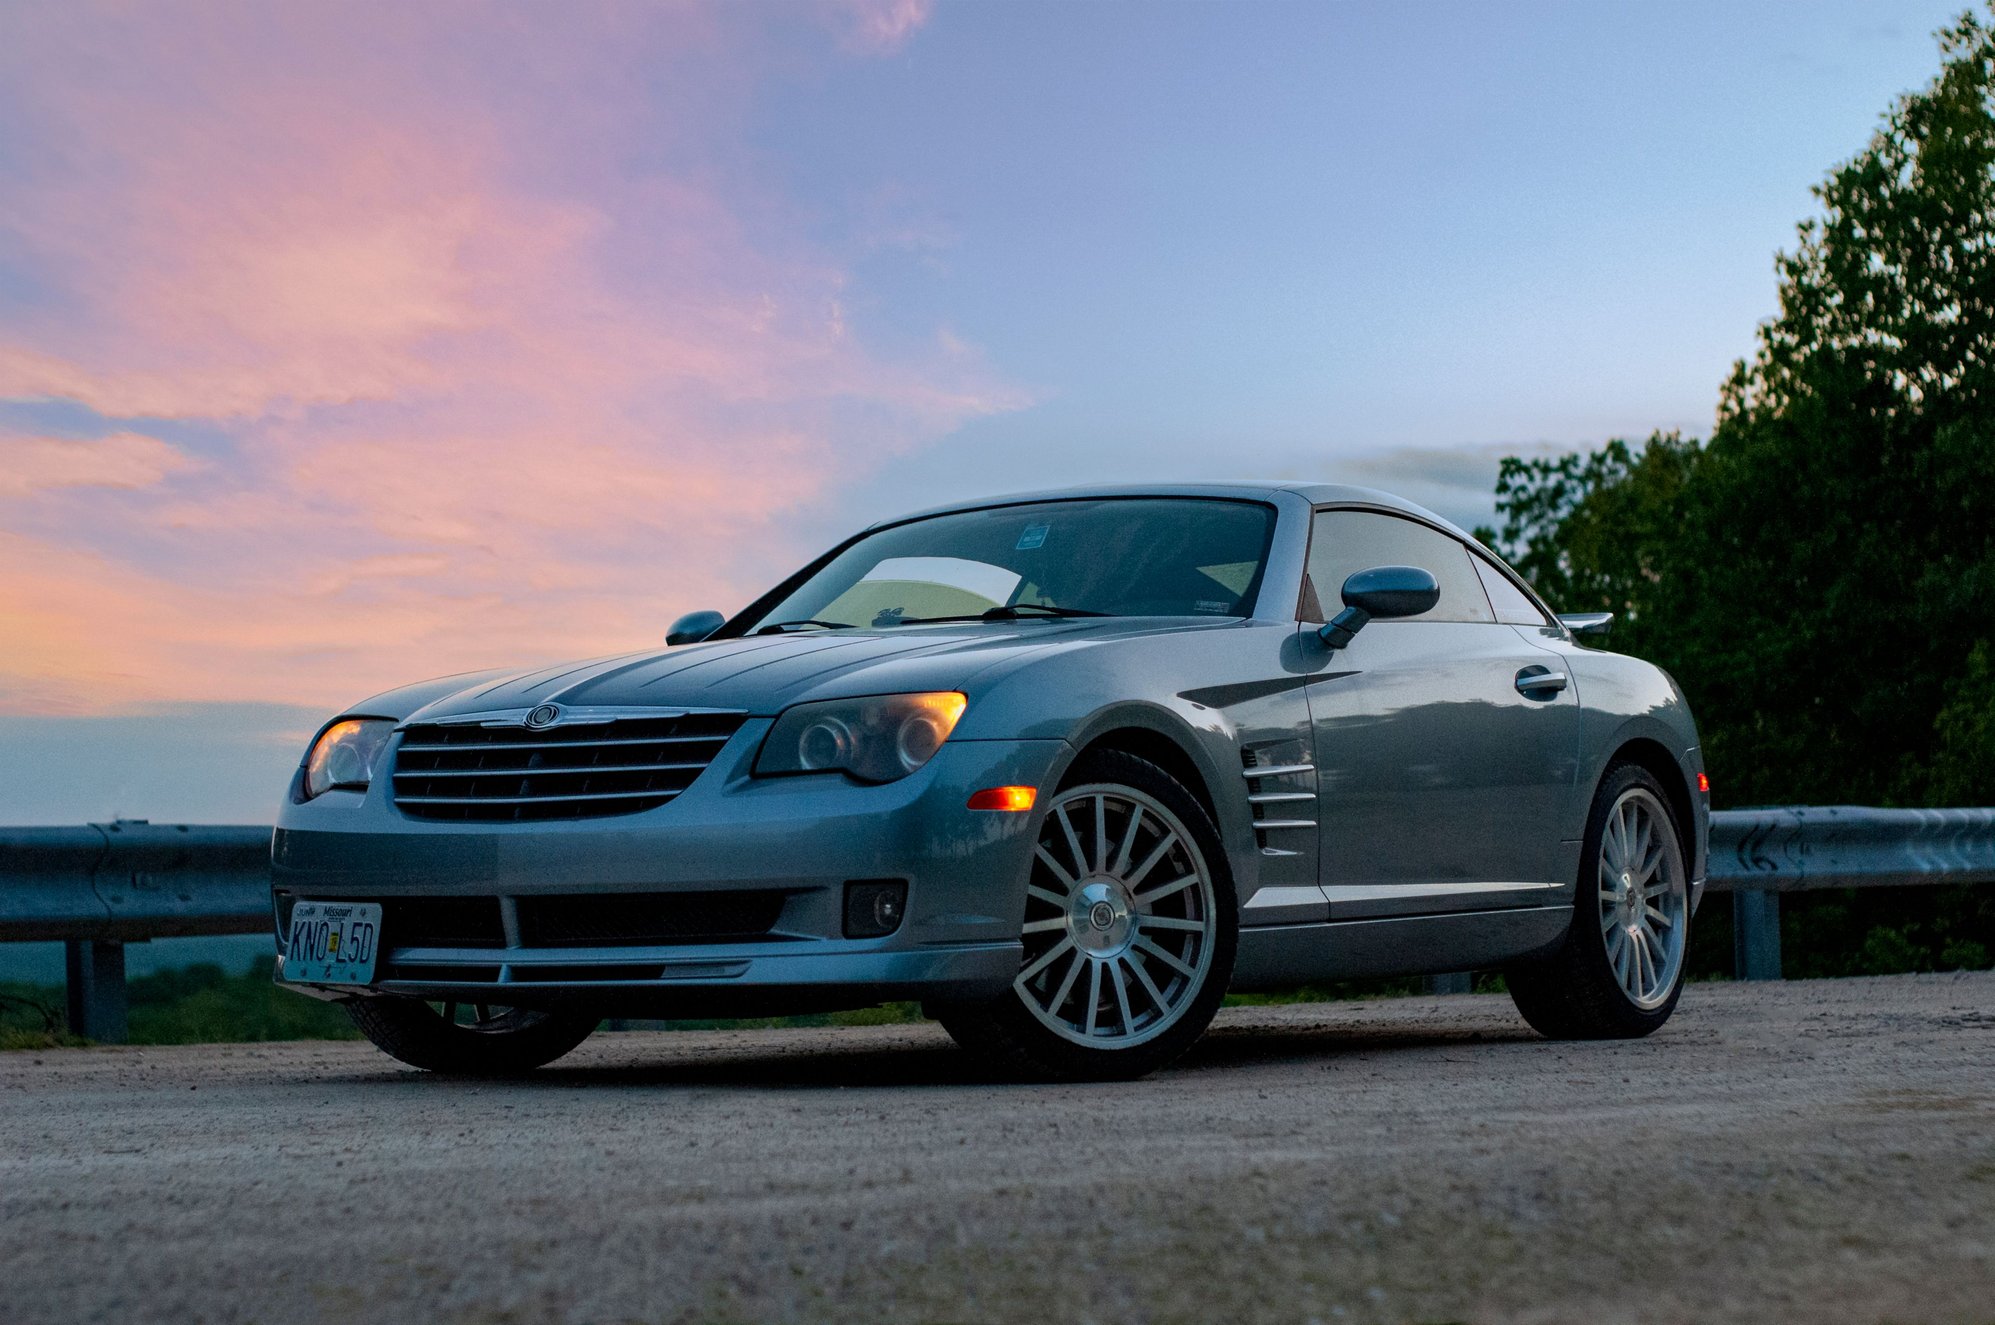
{"type": "Point", "coordinates": [1105, 557]}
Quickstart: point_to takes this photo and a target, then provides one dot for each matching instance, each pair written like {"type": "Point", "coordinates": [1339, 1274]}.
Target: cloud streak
{"type": "Point", "coordinates": [488, 346]}
{"type": "Point", "coordinates": [121, 460]}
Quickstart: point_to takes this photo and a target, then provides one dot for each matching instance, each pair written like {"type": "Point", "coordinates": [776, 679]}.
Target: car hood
{"type": "Point", "coordinates": [764, 674]}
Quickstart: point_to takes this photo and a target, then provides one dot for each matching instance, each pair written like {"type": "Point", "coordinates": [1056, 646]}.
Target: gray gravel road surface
{"type": "Point", "coordinates": [1810, 1151]}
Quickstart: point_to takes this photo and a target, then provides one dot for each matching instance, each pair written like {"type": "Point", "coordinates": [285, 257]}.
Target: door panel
{"type": "Point", "coordinates": [1445, 744]}
{"type": "Point", "coordinates": [1434, 768]}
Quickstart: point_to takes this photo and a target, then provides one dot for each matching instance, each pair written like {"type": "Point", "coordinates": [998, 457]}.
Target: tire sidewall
{"type": "Point", "coordinates": [1587, 937]}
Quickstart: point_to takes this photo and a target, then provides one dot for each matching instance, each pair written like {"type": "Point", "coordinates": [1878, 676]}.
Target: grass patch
{"type": "Point", "coordinates": [198, 1004]}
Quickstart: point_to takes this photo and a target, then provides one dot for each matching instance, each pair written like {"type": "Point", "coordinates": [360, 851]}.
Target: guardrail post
{"type": "Point", "coordinates": [96, 971]}
{"type": "Point", "coordinates": [1755, 934]}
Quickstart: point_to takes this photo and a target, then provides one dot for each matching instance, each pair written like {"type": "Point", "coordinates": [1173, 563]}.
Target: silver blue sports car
{"type": "Point", "coordinates": [1063, 767]}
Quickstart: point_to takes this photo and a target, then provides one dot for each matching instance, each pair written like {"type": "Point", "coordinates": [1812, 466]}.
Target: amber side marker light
{"type": "Point", "coordinates": [1704, 783]}
{"type": "Point", "coordinates": [1014, 800]}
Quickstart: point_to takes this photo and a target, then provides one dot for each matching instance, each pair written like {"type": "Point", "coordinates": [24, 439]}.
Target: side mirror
{"type": "Point", "coordinates": [694, 627]}
{"type": "Point", "coordinates": [1587, 623]}
{"type": "Point", "coordinates": [1384, 592]}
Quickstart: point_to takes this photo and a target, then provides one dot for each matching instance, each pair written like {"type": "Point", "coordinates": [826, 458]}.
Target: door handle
{"type": "Point", "coordinates": [1537, 681]}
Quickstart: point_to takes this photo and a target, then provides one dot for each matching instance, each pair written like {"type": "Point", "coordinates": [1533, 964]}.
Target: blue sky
{"type": "Point", "coordinates": [1296, 239]}
{"type": "Point", "coordinates": [871, 255]}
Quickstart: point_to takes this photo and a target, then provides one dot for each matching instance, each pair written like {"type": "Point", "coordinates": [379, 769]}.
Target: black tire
{"type": "Point", "coordinates": [1576, 991]}
{"type": "Point", "coordinates": [510, 1042]}
{"type": "Point", "coordinates": [1007, 1032]}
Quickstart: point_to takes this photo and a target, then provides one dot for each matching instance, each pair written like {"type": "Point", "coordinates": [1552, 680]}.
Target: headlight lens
{"type": "Point", "coordinates": [345, 754]}
{"type": "Point", "coordinates": [876, 739]}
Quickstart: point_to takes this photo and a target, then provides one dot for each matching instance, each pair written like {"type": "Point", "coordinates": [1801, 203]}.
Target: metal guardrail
{"type": "Point", "coordinates": [1756, 855]}
{"type": "Point", "coordinates": [101, 886]}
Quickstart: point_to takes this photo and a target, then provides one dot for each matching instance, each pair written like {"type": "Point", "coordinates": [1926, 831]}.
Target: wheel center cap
{"type": "Point", "coordinates": [1101, 920]}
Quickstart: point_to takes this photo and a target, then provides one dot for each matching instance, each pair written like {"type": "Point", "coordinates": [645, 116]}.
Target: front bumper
{"type": "Point", "coordinates": [803, 837]}
{"type": "Point", "coordinates": [666, 983]}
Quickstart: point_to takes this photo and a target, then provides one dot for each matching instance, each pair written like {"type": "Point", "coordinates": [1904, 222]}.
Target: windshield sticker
{"type": "Point", "coordinates": [1034, 536]}
{"type": "Point", "coordinates": [1207, 607]}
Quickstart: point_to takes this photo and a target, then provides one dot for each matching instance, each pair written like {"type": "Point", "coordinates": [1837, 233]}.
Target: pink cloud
{"type": "Point", "coordinates": [123, 460]}
{"type": "Point", "coordinates": [481, 389]}
{"type": "Point", "coordinates": [881, 27]}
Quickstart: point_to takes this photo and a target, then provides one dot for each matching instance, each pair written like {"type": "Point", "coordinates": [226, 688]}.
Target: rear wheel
{"type": "Point", "coordinates": [468, 1039]}
{"type": "Point", "coordinates": [1619, 971]}
{"type": "Point", "coordinates": [1129, 932]}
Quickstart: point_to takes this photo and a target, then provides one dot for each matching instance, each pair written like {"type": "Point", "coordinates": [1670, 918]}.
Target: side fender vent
{"type": "Point", "coordinates": [1281, 784]}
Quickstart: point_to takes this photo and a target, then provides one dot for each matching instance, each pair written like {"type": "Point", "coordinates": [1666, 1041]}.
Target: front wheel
{"type": "Point", "coordinates": [1619, 971]}
{"type": "Point", "coordinates": [1129, 932]}
{"type": "Point", "coordinates": [466, 1039]}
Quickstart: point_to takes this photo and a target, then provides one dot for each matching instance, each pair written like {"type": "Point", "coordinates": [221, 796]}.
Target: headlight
{"type": "Point", "coordinates": [876, 739]}
{"type": "Point", "coordinates": [345, 754]}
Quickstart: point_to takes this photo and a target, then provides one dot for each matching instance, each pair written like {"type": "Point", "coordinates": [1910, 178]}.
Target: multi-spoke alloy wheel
{"type": "Point", "coordinates": [1128, 931]}
{"type": "Point", "coordinates": [1619, 970]}
{"type": "Point", "coordinates": [1643, 896]}
{"type": "Point", "coordinates": [1118, 918]}
{"type": "Point", "coordinates": [469, 1038]}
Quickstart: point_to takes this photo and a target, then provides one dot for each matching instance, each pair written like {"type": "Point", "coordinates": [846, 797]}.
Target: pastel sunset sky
{"type": "Point", "coordinates": [347, 344]}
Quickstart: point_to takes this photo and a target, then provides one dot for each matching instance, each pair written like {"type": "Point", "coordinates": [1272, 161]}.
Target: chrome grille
{"type": "Point", "coordinates": [509, 772]}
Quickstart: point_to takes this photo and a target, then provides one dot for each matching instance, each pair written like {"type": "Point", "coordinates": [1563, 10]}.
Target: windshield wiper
{"type": "Point", "coordinates": [1015, 612]}
{"type": "Point", "coordinates": [780, 627]}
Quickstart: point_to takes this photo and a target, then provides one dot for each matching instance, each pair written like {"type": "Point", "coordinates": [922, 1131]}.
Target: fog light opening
{"type": "Point", "coordinates": [1012, 800]}
{"type": "Point", "coordinates": [874, 908]}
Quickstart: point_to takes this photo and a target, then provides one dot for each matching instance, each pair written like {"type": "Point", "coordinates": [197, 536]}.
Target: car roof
{"type": "Point", "coordinates": [1317, 494]}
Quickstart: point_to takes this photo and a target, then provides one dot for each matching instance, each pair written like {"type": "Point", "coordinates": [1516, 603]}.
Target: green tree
{"type": "Point", "coordinates": [1820, 574]}
{"type": "Point", "coordinates": [1591, 531]}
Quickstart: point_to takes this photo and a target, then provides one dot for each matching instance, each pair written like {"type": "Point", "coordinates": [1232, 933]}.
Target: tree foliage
{"type": "Point", "coordinates": [1820, 574]}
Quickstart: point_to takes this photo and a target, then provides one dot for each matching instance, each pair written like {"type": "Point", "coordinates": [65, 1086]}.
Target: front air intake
{"type": "Point", "coordinates": [479, 771]}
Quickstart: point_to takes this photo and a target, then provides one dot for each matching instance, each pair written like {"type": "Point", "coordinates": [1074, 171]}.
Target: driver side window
{"type": "Point", "coordinates": [1342, 543]}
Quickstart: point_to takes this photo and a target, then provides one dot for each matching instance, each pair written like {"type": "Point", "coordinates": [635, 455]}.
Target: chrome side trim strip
{"type": "Point", "coordinates": [1280, 896]}
{"type": "Point", "coordinates": [1276, 771]}
{"type": "Point", "coordinates": [1388, 891]}
{"type": "Point", "coordinates": [1268, 797]}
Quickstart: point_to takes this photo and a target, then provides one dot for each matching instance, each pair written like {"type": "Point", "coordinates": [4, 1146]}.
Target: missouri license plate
{"type": "Point", "coordinates": [332, 943]}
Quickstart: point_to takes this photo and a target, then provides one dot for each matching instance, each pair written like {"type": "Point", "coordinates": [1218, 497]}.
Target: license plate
{"type": "Point", "coordinates": [332, 943]}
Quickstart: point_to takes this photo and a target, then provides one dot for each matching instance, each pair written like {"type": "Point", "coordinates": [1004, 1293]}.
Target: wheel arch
{"type": "Point", "coordinates": [1655, 758]}
{"type": "Point", "coordinates": [1198, 748]}
{"type": "Point", "coordinates": [1167, 739]}
{"type": "Point", "coordinates": [1157, 747]}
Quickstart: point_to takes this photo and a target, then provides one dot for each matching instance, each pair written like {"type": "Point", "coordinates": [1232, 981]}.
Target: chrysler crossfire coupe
{"type": "Point", "coordinates": [1062, 768]}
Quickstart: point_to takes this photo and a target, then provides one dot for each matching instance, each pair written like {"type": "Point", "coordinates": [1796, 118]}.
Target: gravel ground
{"type": "Point", "coordinates": [1810, 1151]}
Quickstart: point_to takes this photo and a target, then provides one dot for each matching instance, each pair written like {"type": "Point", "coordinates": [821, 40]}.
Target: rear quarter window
{"type": "Point", "coordinates": [1512, 605]}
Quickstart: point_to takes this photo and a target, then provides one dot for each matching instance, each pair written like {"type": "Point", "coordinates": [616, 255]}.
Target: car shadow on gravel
{"type": "Point", "coordinates": [1236, 1046]}
{"type": "Point", "coordinates": [820, 1062]}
